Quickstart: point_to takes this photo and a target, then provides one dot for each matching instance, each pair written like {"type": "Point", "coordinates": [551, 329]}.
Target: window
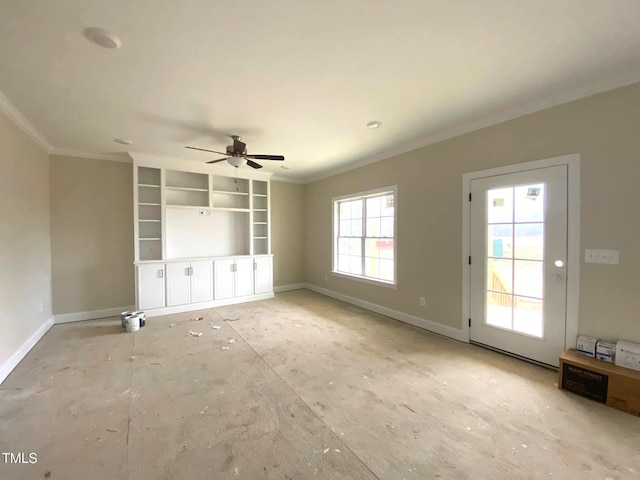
{"type": "Point", "coordinates": [364, 235]}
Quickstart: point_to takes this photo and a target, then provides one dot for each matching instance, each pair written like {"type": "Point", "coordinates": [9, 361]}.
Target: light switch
{"type": "Point", "coordinates": [602, 256]}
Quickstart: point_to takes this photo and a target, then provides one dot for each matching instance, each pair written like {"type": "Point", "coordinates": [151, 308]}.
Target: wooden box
{"type": "Point", "coordinates": [618, 387]}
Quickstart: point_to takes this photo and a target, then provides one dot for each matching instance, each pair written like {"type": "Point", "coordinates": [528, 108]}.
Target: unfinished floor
{"type": "Point", "coordinates": [301, 386]}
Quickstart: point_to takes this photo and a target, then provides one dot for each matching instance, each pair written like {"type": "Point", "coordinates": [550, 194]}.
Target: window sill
{"type": "Point", "coordinates": [370, 281]}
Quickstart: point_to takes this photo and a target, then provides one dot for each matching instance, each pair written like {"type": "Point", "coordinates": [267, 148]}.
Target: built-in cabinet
{"type": "Point", "coordinates": [202, 236]}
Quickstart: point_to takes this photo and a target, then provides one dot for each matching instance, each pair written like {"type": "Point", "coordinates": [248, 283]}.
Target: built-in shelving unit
{"type": "Point", "coordinates": [149, 214]}
{"type": "Point", "coordinates": [202, 235]}
{"type": "Point", "coordinates": [260, 230]}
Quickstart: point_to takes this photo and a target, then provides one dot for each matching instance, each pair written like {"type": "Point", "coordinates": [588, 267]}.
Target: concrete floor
{"type": "Point", "coordinates": [301, 386]}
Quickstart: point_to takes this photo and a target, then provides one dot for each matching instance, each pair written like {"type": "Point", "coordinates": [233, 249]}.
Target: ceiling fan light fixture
{"type": "Point", "coordinates": [374, 124]}
{"type": "Point", "coordinates": [237, 161]}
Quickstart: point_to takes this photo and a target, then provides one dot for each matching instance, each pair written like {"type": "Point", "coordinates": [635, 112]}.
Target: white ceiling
{"type": "Point", "coordinates": [302, 78]}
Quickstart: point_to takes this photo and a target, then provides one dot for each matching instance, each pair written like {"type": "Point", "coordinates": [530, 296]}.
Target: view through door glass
{"type": "Point", "coordinates": [514, 295]}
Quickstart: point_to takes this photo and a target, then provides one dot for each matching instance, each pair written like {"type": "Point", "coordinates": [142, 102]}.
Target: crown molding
{"type": "Point", "coordinates": [112, 157]}
{"type": "Point", "coordinates": [619, 81]}
{"type": "Point", "coordinates": [14, 114]}
{"type": "Point", "coordinates": [278, 178]}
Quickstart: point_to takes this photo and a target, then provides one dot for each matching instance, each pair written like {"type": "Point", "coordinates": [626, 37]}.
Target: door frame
{"type": "Point", "coordinates": [572, 161]}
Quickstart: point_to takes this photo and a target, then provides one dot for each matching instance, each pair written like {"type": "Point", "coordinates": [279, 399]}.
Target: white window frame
{"type": "Point", "coordinates": [393, 189]}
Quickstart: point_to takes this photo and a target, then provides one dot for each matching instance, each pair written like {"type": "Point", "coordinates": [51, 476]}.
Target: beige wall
{"type": "Point", "coordinates": [602, 128]}
{"type": "Point", "coordinates": [287, 233]}
{"type": "Point", "coordinates": [25, 256]}
{"type": "Point", "coordinates": [91, 234]}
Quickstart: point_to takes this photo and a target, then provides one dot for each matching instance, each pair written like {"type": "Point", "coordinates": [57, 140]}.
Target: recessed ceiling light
{"type": "Point", "coordinates": [123, 141]}
{"type": "Point", "coordinates": [101, 37]}
{"type": "Point", "coordinates": [284, 167]}
{"type": "Point", "coordinates": [374, 124]}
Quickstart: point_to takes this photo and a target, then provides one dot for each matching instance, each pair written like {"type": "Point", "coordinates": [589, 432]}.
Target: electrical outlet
{"type": "Point", "coordinates": [423, 301]}
{"type": "Point", "coordinates": [602, 256]}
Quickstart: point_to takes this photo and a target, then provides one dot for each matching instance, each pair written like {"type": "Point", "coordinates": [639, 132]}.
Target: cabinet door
{"type": "Point", "coordinates": [263, 274]}
{"type": "Point", "coordinates": [223, 278]}
{"type": "Point", "coordinates": [201, 281]}
{"type": "Point", "coordinates": [244, 276]}
{"type": "Point", "coordinates": [178, 283]}
{"type": "Point", "coordinates": [150, 286]}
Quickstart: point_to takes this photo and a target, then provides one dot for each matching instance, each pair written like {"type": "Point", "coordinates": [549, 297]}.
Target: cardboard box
{"type": "Point", "coordinates": [606, 351]}
{"type": "Point", "coordinates": [617, 387]}
{"type": "Point", "coordinates": [586, 346]}
{"type": "Point", "coordinates": [628, 355]}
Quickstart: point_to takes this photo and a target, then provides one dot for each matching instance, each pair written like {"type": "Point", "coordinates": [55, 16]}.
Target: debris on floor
{"type": "Point", "coordinates": [326, 450]}
{"type": "Point", "coordinates": [225, 348]}
{"type": "Point", "coordinates": [233, 340]}
{"type": "Point", "coordinates": [171, 325]}
{"type": "Point", "coordinates": [216, 327]}
{"type": "Point", "coordinates": [195, 334]}
{"type": "Point", "coordinates": [231, 319]}
{"type": "Point", "coordinates": [197, 319]}
{"type": "Point", "coordinates": [112, 430]}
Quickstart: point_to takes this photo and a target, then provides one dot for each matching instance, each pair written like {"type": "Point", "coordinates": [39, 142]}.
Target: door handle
{"type": "Point", "coordinates": [161, 273]}
{"type": "Point", "coordinates": [255, 265]}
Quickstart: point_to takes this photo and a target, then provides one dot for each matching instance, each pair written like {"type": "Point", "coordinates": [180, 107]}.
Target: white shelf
{"type": "Point", "coordinates": [148, 220]}
{"type": "Point", "coordinates": [187, 189]}
{"type": "Point", "coordinates": [259, 223]}
{"type": "Point", "coordinates": [226, 192]}
{"type": "Point", "coordinates": [259, 209]}
{"type": "Point", "coordinates": [153, 204]}
{"type": "Point", "coordinates": [150, 238]}
{"type": "Point", "coordinates": [259, 195]}
{"type": "Point", "coordinates": [259, 238]}
{"type": "Point", "coordinates": [225, 209]}
{"type": "Point", "coordinates": [148, 185]}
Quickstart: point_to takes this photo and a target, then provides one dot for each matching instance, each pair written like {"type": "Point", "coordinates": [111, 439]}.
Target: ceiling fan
{"type": "Point", "coordinates": [237, 155]}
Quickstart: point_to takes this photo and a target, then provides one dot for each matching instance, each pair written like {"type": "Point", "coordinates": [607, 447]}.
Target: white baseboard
{"type": "Point", "coordinates": [92, 315]}
{"type": "Point", "coordinates": [288, 288]}
{"type": "Point", "coordinates": [439, 328]}
{"type": "Point", "coordinates": [19, 354]}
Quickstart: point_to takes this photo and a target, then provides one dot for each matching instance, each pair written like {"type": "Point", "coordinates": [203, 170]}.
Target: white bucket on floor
{"type": "Point", "coordinates": [133, 323]}
{"type": "Point", "coordinates": [124, 316]}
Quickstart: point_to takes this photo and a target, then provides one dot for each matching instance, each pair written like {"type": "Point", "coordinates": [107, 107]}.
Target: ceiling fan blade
{"type": "Point", "coordinates": [216, 161]}
{"type": "Point", "coordinates": [205, 150]}
{"type": "Point", "coordinates": [238, 146]}
{"type": "Point", "coordinates": [253, 164]}
{"type": "Point", "coordinates": [266, 157]}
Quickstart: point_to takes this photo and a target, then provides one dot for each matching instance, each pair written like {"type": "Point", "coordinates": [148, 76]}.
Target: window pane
{"type": "Point", "coordinates": [528, 278]}
{"type": "Point", "coordinates": [373, 207]}
{"type": "Point", "coordinates": [373, 227]}
{"type": "Point", "coordinates": [356, 228]}
{"type": "Point", "coordinates": [386, 269]}
{"type": "Point", "coordinates": [355, 265]}
{"type": "Point", "coordinates": [499, 275]}
{"type": "Point", "coordinates": [386, 227]}
{"type": "Point", "coordinates": [500, 205]}
{"type": "Point", "coordinates": [356, 209]}
{"type": "Point", "coordinates": [343, 263]}
{"type": "Point", "coordinates": [355, 246]}
{"type": "Point", "coordinates": [345, 210]}
{"type": "Point", "coordinates": [371, 248]}
{"type": "Point", "coordinates": [345, 228]}
{"type": "Point", "coordinates": [371, 266]}
{"type": "Point", "coordinates": [385, 248]}
{"type": "Point", "coordinates": [529, 241]}
{"type": "Point", "coordinates": [499, 310]}
{"type": "Point", "coordinates": [387, 206]}
{"type": "Point", "coordinates": [527, 316]}
{"type": "Point", "coordinates": [530, 203]}
{"type": "Point", "coordinates": [499, 241]}
{"type": "Point", "coordinates": [343, 246]}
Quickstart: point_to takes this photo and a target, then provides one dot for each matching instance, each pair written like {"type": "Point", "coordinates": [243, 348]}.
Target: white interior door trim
{"type": "Point", "coordinates": [573, 236]}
